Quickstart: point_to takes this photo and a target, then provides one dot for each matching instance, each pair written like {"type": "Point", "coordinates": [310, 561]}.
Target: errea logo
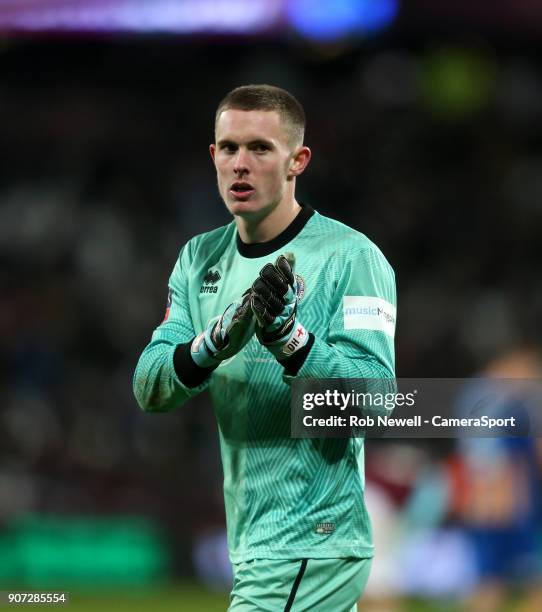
{"type": "Point", "coordinates": [362, 312]}
{"type": "Point", "coordinates": [209, 282]}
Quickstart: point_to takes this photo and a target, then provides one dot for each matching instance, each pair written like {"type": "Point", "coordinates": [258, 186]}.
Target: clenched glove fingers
{"type": "Point", "coordinates": [274, 297]}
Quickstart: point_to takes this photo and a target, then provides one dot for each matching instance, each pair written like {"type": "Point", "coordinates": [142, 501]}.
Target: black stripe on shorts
{"type": "Point", "coordinates": [295, 586]}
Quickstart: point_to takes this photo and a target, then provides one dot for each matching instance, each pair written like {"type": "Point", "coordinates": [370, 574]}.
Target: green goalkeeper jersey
{"type": "Point", "coordinates": [285, 497]}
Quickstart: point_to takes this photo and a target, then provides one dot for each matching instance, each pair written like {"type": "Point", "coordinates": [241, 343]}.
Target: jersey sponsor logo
{"type": "Point", "coordinates": [362, 312]}
{"type": "Point", "coordinates": [168, 304]}
{"type": "Point", "coordinates": [209, 282]}
{"type": "Point", "coordinates": [324, 528]}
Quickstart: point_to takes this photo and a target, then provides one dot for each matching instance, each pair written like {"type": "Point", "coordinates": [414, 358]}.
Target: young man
{"type": "Point", "coordinates": [281, 292]}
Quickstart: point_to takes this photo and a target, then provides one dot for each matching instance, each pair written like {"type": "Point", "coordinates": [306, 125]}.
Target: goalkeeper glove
{"type": "Point", "coordinates": [274, 298]}
{"type": "Point", "coordinates": [225, 335]}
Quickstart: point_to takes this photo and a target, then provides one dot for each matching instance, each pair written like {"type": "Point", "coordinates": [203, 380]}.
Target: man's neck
{"type": "Point", "coordinates": [268, 227]}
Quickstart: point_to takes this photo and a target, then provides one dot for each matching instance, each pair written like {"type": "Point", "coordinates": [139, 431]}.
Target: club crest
{"type": "Point", "coordinates": [300, 287]}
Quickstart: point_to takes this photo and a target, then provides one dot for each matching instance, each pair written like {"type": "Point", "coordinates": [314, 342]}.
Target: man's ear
{"type": "Point", "coordinates": [300, 160]}
{"type": "Point", "coordinates": [212, 151]}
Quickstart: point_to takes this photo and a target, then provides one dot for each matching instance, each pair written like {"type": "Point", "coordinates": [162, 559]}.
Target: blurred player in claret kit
{"type": "Point", "coordinates": [253, 305]}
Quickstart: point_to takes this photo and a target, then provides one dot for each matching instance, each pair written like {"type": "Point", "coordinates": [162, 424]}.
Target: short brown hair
{"type": "Point", "coordinates": [267, 98]}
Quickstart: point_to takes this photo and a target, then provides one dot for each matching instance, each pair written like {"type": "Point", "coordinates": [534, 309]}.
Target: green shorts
{"type": "Point", "coordinates": [318, 585]}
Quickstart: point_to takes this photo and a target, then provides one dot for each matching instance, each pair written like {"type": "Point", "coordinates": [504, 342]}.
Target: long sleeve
{"type": "Point", "coordinates": [156, 384]}
{"type": "Point", "coordinates": [359, 343]}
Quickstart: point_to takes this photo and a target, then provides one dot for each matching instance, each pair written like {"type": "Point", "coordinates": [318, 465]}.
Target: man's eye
{"type": "Point", "coordinates": [228, 148]}
{"type": "Point", "coordinates": [260, 147]}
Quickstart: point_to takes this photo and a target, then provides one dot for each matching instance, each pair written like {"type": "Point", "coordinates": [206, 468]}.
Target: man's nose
{"type": "Point", "coordinates": [241, 162]}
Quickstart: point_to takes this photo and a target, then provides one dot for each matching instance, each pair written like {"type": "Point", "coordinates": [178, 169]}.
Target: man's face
{"type": "Point", "coordinates": [253, 157]}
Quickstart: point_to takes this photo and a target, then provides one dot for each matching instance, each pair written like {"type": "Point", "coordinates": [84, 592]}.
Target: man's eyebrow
{"type": "Point", "coordinates": [255, 141]}
{"type": "Point", "coordinates": [258, 141]}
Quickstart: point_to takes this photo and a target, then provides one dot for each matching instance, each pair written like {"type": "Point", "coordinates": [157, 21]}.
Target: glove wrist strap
{"type": "Point", "coordinates": [293, 342]}
{"type": "Point", "coordinates": [201, 354]}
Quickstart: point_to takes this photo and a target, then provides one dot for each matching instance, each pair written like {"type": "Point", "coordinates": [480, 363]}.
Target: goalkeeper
{"type": "Point", "coordinates": [280, 292]}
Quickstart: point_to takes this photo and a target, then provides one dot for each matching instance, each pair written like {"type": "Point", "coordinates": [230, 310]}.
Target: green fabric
{"type": "Point", "coordinates": [327, 585]}
{"type": "Point", "coordinates": [277, 489]}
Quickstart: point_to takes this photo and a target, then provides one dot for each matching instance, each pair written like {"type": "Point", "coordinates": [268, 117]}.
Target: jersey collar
{"type": "Point", "coordinates": [261, 249]}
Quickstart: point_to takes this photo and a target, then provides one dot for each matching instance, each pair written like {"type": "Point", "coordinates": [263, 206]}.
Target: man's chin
{"type": "Point", "coordinates": [248, 207]}
{"type": "Point", "coordinates": [252, 208]}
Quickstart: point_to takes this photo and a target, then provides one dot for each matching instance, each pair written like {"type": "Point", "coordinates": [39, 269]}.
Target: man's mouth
{"type": "Point", "coordinates": [241, 189]}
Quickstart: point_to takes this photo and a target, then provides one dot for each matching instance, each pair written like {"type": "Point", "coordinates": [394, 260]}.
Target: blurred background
{"type": "Point", "coordinates": [425, 121]}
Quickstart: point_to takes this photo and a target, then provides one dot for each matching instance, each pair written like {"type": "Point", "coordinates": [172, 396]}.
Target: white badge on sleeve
{"type": "Point", "coordinates": [363, 312]}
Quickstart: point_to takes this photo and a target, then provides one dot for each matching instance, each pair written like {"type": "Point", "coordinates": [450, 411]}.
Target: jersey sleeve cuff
{"type": "Point", "coordinates": [189, 374]}
{"type": "Point", "coordinates": [293, 364]}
